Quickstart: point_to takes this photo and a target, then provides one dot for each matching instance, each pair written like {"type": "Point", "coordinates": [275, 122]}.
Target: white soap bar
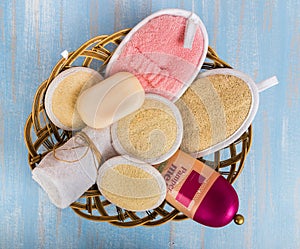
{"type": "Point", "coordinates": [110, 100]}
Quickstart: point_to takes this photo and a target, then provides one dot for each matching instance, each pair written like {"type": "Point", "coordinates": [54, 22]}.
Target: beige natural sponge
{"type": "Point", "coordinates": [216, 108]}
{"type": "Point", "coordinates": [62, 94]}
{"type": "Point", "coordinates": [131, 184]}
{"type": "Point", "coordinates": [152, 134]}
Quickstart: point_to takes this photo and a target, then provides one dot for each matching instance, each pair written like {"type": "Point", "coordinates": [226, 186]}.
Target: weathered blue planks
{"type": "Point", "coordinates": [261, 38]}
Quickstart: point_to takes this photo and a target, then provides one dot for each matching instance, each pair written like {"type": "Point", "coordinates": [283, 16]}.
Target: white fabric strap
{"type": "Point", "coordinates": [190, 31]}
{"type": "Point", "coordinates": [261, 86]}
{"type": "Point", "coordinates": [65, 54]}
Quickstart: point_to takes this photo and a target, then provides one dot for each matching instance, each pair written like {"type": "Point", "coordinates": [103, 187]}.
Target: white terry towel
{"type": "Point", "coordinates": [66, 173]}
{"type": "Point", "coordinates": [102, 140]}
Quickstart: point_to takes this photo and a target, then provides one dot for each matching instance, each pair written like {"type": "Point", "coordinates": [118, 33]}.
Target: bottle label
{"type": "Point", "coordinates": [188, 181]}
{"type": "Point", "coordinates": [190, 188]}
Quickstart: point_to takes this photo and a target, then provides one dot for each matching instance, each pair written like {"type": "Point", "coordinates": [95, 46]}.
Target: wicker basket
{"type": "Point", "coordinates": [41, 136]}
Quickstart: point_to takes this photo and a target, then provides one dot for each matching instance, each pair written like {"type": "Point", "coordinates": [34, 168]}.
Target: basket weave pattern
{"type": "Point", "coordinates": [41, 135]}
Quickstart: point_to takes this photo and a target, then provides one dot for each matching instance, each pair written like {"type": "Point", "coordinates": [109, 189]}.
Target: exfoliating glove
{"type": "Point", "coordinates": [165, 52]}
{"type": "Point", "coordinates": [217, 109]}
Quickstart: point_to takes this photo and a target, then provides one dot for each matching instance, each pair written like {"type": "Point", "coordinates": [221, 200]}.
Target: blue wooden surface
{"type": "Point", "coordinates": [260, 38]}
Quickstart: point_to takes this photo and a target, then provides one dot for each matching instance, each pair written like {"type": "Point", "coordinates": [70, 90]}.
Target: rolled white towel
{"type": "Point", "coordinates": [102, 140]}
{"type": "Point", "coordinates": [68, 171]}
